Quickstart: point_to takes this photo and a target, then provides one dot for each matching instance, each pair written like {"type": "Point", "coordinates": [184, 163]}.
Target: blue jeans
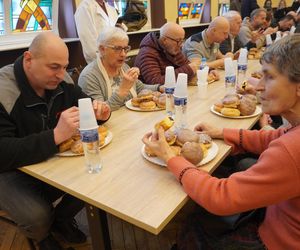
{"type": "Point", "coordinates": [28, 202]}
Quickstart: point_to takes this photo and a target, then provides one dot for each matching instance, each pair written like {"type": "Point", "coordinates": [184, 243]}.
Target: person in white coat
{"type": "Point", "coordinates": [91, 17]}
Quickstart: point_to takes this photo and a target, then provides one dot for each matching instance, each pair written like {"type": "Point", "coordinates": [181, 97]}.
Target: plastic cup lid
{"type": "Point", "coordinates": [181, 86]}
{"type": "Point", "coordinates": [170, 77]}
{"type": "Point", "coordinates": [87, 119]}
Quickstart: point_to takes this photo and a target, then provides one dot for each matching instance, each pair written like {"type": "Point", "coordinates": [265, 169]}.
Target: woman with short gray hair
{"type": "Point", "coordinates": [108, 78]}
{"type": "Point", "coordinates": [272, 182]}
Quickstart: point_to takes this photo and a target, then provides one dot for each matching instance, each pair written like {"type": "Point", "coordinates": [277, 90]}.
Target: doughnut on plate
{"type": "Point", "coordinates": [257, 112]}
{"type": "Point", "coordinates": [211, 154]}
{"type": "Point", "coordinates": [69, 153]}
{"type": "Point", "coordinates": [129, 106]}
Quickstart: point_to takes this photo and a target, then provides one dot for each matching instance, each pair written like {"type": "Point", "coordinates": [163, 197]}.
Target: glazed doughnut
{"type": "Point", "coordinates": [230, 112]}
{"type": "Point", "coordinates": [145, 95]}
{"type": "Point", "coordinates": [218, 106]}
{"type": "Point", "coordinates": [66, 145]}
{"type": "Point", "coordinates": [231, 101]}
{"type": "Point", "coordinates": [77, 147]}
{"type": "Point", "coordinates": [149, 105]}
{"type": "Point", "coordinates": [135, 102]}
{"type": "Point", "coordinates": [170, 137]}
{"type": "Point", "coordinates": [204, 149]}
{"type": "Point", "coordinates": [165, 123]}
{"type": "Point", "coordinates": [176, 150]}
{"type": "Point", "coordinates": [102, 130]}
{"type": "Point", "coordinates": [205, 139]}
{"type": "Point", "coordinates": [76, 137]}
{"type": "Point", "coordinates": [186, 135]}
{"type": "Point", "coordinates": [161, 102]}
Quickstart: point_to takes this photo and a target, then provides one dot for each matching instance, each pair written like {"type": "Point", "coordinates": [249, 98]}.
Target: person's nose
{"type": "Point", "coordinates": [260, 85]}
{"type": "Point", "coordinates": [61, 74]}
{"type": "Point", "coordinates": [123, 53]}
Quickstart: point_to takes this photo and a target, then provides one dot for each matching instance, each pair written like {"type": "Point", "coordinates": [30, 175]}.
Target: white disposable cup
{"type": "Point", "coordinates": [181, 86]}
{"type": "Point", "coordinates": [243, 56]}
{"type": "Point", "coordinates": [202, 75]}
{"type": "Point", "coordinates": [170, 77]}
{"type": "Point", "coordinates": [87, 119]}
{"type": "Point", "coordinates": [202, 89]}
{"type": "Point", "coordinates": [229, 67]}
{"type": "Point", "coordinates": [292, 30]}
{"type": "Point", "coordinates": [268, 40]}
{"type": "Point", "coordinates": [235, 66]}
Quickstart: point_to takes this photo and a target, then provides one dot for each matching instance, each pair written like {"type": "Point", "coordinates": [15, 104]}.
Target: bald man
{"type": "Point", "coordinates": [233, 43]}
{"type": "Point", "coordinates": [206, 43]}
{"type": "Point", "coordinates": [38, 111]}
{"type": "Point", "coordinates": [161, 49]}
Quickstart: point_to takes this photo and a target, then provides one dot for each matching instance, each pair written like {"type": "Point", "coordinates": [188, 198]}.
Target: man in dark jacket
{"type": "Point", "coordinates": [233, 43]}
{"type": "Point", "coordinates": [38, 112]}
{"type": "Point", "coordinates": [161, 49]}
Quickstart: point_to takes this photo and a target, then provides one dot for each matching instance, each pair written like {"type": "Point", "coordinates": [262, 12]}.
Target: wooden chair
{"type": "Point", "coordinates": [5, 218]}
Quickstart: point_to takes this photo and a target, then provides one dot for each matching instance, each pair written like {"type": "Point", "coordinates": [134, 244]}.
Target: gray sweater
{"type": "Point", "coordinates": [93, 83]}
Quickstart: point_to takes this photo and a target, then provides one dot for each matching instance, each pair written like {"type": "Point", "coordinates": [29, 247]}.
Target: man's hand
{"type": "Point", "coordinates": [67, 125]}
{"type": "Point", "coordinates": [229, 54]}
{"type": "Point", "coordinates": [101, 109]}
{"type": "Point", "coordinates": [270, 31]}
{"type": "Point", "coordinates": [255, 35]}
{"type": "Point", "coordinates": [129, 78]}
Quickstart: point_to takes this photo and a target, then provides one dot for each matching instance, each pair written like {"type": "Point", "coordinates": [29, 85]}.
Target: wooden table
{"type": "Point", "coordinates": [129, 186]}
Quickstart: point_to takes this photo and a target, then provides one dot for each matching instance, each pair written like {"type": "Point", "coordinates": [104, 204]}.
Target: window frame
{"type": "Point", "coordinates": [10, 40]}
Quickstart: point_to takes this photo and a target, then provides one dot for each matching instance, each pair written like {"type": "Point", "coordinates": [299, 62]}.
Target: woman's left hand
{"type": "Point", "coordinates": [102, 110]}
{"type": "Point", "coordinates": [158, 145]}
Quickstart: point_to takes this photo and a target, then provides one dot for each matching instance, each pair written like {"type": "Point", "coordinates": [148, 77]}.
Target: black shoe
{"type": "Point", "coordinates": [49, 244]}
{"type": "Point", "coordinates": [69, 231]}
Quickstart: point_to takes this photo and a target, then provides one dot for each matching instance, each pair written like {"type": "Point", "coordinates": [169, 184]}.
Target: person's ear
{"type": "Point", "coordinates": [298, 89]}
{"type": "Point", "coordinates": [27, 57]}
{"type": "Point", "coordinates": [162, 40]}
{"type": "Point", "coordinates": [101, 49]}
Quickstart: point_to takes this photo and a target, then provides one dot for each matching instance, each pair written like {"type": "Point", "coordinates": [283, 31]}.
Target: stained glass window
{"type": "Point", "coordinates": [31, 15]}
{"type": "Point", "coordinates": [1, 18]}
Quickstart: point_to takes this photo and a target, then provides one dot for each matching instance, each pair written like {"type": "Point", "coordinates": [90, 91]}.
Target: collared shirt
{"type": "Point", "coordinates": [197, 46]}
{"type": "Point", "coordinates": [232, 42]}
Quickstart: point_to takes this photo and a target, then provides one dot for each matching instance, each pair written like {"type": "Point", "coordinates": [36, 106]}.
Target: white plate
{"type": "Point", "coordinates": [257, 112]}
{"type": "Point", "coordinates": [129, 106]}
{"type": "Point", "coordinates": [211, 154]}
{"type": "Point", "coordinates": [68, 153]}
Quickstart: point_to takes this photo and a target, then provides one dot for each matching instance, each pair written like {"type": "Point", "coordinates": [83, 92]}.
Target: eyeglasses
{"type": "Point", "coordinates": [178, 41]}
{"type": "Point", "coordinates": [119, 49]}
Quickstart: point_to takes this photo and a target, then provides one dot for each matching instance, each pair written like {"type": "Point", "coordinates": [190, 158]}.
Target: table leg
{"type": "Point", "coordinates": [98, 228]}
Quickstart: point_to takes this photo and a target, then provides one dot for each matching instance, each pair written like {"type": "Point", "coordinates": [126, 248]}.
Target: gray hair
{"type": "Point", "coordinates": [284, 55]}
{"type": "Point", "coordinates": [109, 34]}
{"type": "Point", "coordinates": [231, 14]}
{"type": "Point", "coordinates": [256, 12]}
